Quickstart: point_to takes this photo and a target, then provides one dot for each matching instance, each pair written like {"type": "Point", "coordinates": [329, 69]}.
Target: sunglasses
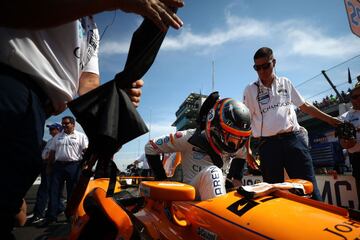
{"type": "Point", "coordinates": [263, 66]}
{"type": "Point", "coordinates": [355, 96]}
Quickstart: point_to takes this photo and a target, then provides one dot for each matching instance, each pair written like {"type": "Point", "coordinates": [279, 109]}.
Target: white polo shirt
{"type": "Point", "coordinates": [55, 57]}
{"type": "Point", "coordinates": [143, 159]}
{"type": "Point", "coordinates": [272, 110]}
{"type": "Point", "coordinates": [69, 147]}
{"type": "Point", "coordinates": [45, 152]}
{"type": "Point", "coordinates": [353, 116]}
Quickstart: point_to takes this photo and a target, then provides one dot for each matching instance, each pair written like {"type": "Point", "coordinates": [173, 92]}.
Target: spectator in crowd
{"type": "Point", "coordinates": [353, 146]}
{"type": "Point", "coordinates": [274, 123]}
{"type": "Point", "coordinates": [145, 169]}
{"type": "Point", "coordinates": [42, 195]}
{"type": "Point", "coordinates": [66, 151]}
{"type": "Point", "coordinates": [44, 63]}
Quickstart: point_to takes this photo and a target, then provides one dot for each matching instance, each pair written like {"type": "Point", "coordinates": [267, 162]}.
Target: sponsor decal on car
{"type": "Point", "coordinates": [206, 234]}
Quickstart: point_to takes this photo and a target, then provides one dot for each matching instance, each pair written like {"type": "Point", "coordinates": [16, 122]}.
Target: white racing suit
{"type": "Point", "coordinates": [198, 168]}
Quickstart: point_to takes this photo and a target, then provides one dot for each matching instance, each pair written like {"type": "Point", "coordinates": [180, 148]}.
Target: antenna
{"type": "Point", "coordinates": [150, 126]}
{"type": "Point", "coordinates": [213, 76]}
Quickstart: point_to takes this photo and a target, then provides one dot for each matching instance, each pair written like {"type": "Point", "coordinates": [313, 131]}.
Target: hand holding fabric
{"type": "Point", "coordinates": [158, 11]}
{"type": "Point", "coordinates": [135, 92]}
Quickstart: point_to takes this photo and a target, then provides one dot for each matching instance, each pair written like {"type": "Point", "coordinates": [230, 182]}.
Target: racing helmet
{"type": "Point", "coordinates": [228, 126]}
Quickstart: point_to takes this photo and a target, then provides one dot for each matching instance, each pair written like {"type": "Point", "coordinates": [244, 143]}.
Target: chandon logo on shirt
{"type": "Point", "coordinates": [275, 106]}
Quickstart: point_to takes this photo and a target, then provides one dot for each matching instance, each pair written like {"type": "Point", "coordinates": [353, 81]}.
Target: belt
{"type": "Point", "coordinates": [355, 154]}
{"type": "Point", "coordinates": [281, 135]}
{"type": "Point", "coordinates": [29, 82]}
{"type": "Point", "coordinates": [66, 162]}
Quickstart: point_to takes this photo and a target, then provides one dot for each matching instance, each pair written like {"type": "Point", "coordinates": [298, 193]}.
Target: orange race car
{"type": "Point", "coordinates": [167, 210]}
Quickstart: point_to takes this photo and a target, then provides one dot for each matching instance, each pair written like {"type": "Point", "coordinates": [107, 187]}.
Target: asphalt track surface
{"type": "Point", "coordinates": [56, 231]}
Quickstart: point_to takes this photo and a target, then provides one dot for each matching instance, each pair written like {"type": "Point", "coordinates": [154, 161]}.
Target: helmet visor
{"type": "Point", "coordinates": [233, 142]}
{"type": "Point", "coordinates": [227, 142]}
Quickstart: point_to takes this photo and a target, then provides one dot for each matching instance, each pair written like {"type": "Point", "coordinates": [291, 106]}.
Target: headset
{"type": "Point", "coordinates": [258, 101]}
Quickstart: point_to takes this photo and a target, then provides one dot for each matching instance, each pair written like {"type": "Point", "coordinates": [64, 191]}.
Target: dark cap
{"type": "Point", "coordinates": [55, 125]}
{"type": "Point", "coordinates": [357, 85]}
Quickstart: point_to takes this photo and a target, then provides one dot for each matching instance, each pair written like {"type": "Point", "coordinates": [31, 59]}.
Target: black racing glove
{"type": "Point", "coordinates": [157, 167]}
{"type": "Point", "coordinates": [345, 131]}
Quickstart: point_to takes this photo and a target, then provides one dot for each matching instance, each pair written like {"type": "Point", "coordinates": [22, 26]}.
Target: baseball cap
{"type": "Point", "coordinates": [55, 125]}
{"type": "Point", "coordinates": [357, 85]}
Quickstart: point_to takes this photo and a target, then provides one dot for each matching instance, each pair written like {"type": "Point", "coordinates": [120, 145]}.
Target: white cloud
{"type": "Point", "coordinates": [304, 39]}
{"type": "Point", "coordinates": [235, 29]}
{"type": "Point", "coordinates": [112, 47]}
{"type": "Point", "coordinates": [160, 129]}
{"type": "Point", "coordinates": [299, 37]}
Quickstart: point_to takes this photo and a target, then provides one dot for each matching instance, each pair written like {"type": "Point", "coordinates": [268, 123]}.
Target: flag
{"type": "Point", "coordinates": [349, 77]}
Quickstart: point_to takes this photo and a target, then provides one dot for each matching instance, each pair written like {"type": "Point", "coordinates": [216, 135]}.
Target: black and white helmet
{"type": "Point", "coordinates": [228, 126]}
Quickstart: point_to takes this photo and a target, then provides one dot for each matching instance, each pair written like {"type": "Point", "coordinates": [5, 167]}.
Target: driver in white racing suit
{"type": "Point", "coordinates": [206, 153]}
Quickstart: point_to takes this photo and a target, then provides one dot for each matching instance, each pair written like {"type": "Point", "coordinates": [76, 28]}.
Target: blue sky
{"type": "Point", "coordinates": [306, 36]}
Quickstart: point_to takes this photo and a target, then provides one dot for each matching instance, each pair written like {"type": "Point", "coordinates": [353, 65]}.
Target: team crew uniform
{"type": "Point", "coordinates": [198, 168]}
{"type": "Point", "coordinates": [68, 153]}
{"type": "Point", "coordinates": [68, 55]}
{"type": "Point", "coordinates": [61, 142]}
{"type": "Point", "coordinates": [275, 124]}
{"type": "Point", "coordinates": [353, 116]}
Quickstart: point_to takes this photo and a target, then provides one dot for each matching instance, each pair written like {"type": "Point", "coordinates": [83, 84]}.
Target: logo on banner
{"type": "Point", "coordinates": [353, 12]}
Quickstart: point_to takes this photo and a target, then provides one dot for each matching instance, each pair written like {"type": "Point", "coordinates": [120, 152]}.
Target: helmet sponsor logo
{"type": "Point", "coordinates": [166, 139]}
{"type": "Point", "coordinates": [159, 142]}
{"type": "Point", "coordinates": [211, 115]}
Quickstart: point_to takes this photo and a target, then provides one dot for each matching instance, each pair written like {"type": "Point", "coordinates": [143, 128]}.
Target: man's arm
{"type": "Point", "coordinates": [45, 13]}
{"type": "Point", "coordinates": [250, 160]}
{"type": "Point", "coordinates": [316, 113]}
{"type": "Point", "coordinates": [20, 217]}
{"type": "Point", "coordinates": [89, 81]}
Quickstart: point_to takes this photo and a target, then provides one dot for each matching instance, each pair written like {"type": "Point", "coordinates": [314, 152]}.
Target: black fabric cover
{"type": "Point", "coordinates": [106, 113]}
{"type": "Point", "coordinates": [156, 166]}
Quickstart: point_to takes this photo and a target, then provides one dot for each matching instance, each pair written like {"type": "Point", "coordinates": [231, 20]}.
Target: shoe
{"type": "Point", "coordinates": [35, 219]}
{"type": "Point", "coordinates": [46, 222]}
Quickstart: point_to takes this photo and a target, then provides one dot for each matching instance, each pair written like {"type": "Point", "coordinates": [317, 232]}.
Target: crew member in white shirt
{"type": "Point", "coordinates": [353, 146]}
{"type": "Point", "coordinates": [66, 152]}
{"type": "Point", "coordinates": [145, 169]}
{"type": "Point", "coordinates": [43, 192]}
{"type": "Point", "coordinates": [270, 100]}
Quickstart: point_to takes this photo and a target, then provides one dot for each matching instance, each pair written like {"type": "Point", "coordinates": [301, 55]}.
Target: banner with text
{"type": "Point", "coordinates": [339, 191]}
